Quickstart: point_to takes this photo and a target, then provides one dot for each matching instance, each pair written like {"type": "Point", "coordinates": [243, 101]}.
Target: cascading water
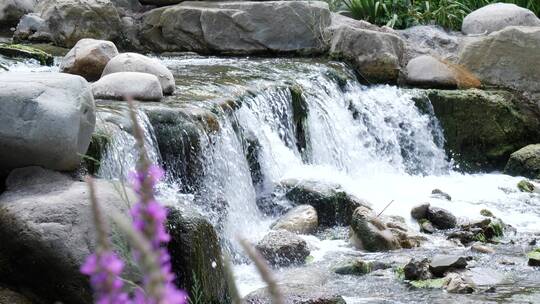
{"type": "Point", "coordinates": [121, 155]}
{"type": "Point", "coordinates": [306, 120]}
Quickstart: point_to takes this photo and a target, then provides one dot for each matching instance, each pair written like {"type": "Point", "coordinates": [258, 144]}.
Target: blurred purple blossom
{"type": "Point", "coordinates": [104, 269]}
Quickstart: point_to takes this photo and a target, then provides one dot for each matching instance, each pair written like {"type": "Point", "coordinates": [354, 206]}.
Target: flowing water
{"type": "Point", "coordinates": [372, 141]}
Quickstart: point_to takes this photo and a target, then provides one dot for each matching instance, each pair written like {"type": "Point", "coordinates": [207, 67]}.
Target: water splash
{"type": "Point", "coordinates": [121, 155]}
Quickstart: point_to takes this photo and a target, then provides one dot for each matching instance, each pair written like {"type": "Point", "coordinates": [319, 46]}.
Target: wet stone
{"type": "Point", "coordinates": [441, 264]}
{"type": "Point", "coordinates": [417, 270]}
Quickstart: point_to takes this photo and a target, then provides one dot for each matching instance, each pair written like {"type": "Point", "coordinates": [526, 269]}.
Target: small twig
{"type": "Point", "coordinates": [99, 222]}
{"type": "Point", "coordinates": [385, 208]}
{"type": "Point", "coordinates": [264, 271]}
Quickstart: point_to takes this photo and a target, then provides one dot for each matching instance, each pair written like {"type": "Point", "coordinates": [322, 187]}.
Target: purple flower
{"type": "Point", "coordinates": [149, 217]}
{"type": "Point", "coordinates": [104, 269]}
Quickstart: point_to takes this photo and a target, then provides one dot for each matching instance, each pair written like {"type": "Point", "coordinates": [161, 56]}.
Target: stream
{"type": "Point", "coordinates": [372, 141]}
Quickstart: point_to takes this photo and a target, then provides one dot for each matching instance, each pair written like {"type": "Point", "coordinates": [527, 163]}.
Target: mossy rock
{"type": "Point", "coordinates": [26, 52]}
{"type": "Point", "coordinates": [197, 257]}
{"type": "Point", "coordinates": [179, 133]}
{"type": "Point", "coordinates": [300, 114]}
{"type": "Point", "coordinates": [428, 284]}
{"type": "Point", "coordinates": [525, 186]}
{"type": "Point", "coordinates": [524, 162]}
{"type": "Point", "coordinates": [486, 213]}
{"type": "Point", "coordinates": [482, 128]}
{"type": "Point", "coordinates": [359, 267]}
{"type": "Point", "coordinates": [534, 258]}
{"type": "Point", "coordinates": [334, 206]}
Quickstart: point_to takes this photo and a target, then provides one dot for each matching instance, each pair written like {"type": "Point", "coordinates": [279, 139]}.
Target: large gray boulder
{"type": "Point", "coordinates": [68, 21]}
{"type": "Point", "coordinates": [119, 86]}
{"type": "Point", "coordinates": [11, 11]}
{"type": "Point", "coordinates": [525, 162]}
{"type": "Point", "coordinates": [375, 53]}
{"type": "Point", "coordinates": [88, 58]}
{"type": "Point", "coordinates": [505, 58]}
{"type": "Point", "coordinates": [46, 231]}
{"type": "Point", "coordinates": [497, 16]}
{"type": "Point", "coordinates": [133, 62]}
{"type": "Point", "coordinates": [46, 119]}
{"type": "Point", "coordinates": [430, 40]}
{"type": "Point", "coordinates": [237, 27]}
{"type": "Point", "coordinates": [428, 71]}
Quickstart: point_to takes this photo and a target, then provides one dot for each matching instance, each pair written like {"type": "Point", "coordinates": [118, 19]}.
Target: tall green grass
{"type": "Point", "coordinates": [406, 13]}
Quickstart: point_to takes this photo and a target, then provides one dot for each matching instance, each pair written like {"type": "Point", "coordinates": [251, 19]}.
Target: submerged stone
{"type": "Point", "coordinates": [283, 248]}
{"type": "Point", "coordinates": [534, 258]}
{"type": "Point", "coordinates": [301, 219]}
{"type": "Point", "coordinates": [426, 227]}
{"type": "Point", "coordinates": [359, 267]}
{"type": "Point", "coordinates": [458, 283]}
{"type": "Point", "coordinates": [370, 233]}
{"type": "Point", "coordinates": [482, 249]}
{"type": "Point", "coordinates": [441, 218]}
{"type": "Point", "coordinates": [441, 194]}
{"type": "Point", "coordinates": [525, 186]}
{"type": "Point", "coordinates": [417, 270]}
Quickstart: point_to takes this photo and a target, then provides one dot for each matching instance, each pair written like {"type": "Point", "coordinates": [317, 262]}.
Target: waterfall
{"type": "Point", "coordinates": [121, 155]}
{"type": "Point", "coordinates": [310, 121]}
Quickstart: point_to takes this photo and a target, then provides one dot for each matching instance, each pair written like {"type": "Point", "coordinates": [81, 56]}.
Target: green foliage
{"type": "Point", "coordinates": [405, 13]}
{"type": "Point", "coordinates": [480, 237]}
{"type": "Point", "coordinates": [197, 291]}
{"type": "Point", "coordinates": [498, 228]}
{"type": "Point", "coordinates": [400, 273]}
{"type": "Point", "coordinates": [430, 283]}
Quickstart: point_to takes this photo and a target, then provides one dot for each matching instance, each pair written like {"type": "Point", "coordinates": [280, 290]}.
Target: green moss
{"type": "Point", "coordinates": [486, 213]}
{"type": "Point", "coordinates": [24, 51]}
{"type": "Point", "coordinates": [300, 112]}
{"type": "Point", "coordinates": [431, 283]}
{"type": "Point", "coordinates": [497, 226]}
{"type": "Point", "coordinates": [534, 258]}
{"type": "Point", "coordinates": [480, 237]}
{"type": "Point", "coordinates": [92, 158]}
{"type": "Point", "coordinates": [399, 272]}
{"type": "Point", "coordinates": [525, 186]}
{"type": "Point", "coordinates": [357, 267]}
